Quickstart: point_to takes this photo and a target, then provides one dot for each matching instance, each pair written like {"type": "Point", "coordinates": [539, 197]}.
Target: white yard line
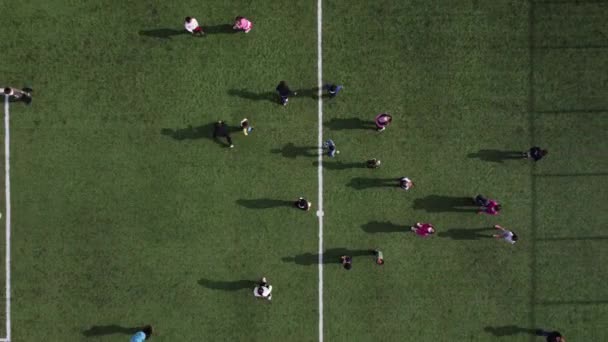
{"type": "Point", "coordinates": [7, 217]}
{"type": "Point", "coordinates": [320, 170]}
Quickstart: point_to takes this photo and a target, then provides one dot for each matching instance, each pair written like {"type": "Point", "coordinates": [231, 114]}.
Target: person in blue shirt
{"type": "Point", "coordinates": [333, 89]}
{"type": "Point", "coordinates": [142, 335]}
{"type": "Point", "coordinates": [332, 150]}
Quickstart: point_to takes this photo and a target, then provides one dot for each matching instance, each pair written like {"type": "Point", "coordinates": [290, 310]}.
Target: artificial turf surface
{"type": "Point", "coordinates": [126, 212]}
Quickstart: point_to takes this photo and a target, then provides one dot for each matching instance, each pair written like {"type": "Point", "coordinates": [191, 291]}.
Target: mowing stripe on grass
{"type": "Point", "coordinates": [7, 188]}
{"type": "Point", "coordinates": [320, 169]}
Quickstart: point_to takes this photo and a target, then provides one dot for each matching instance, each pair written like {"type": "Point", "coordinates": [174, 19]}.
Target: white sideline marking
{"type": "Point", "coordinates": [7, 218]}
{"type": "Point", "coordinates": [320, 170]}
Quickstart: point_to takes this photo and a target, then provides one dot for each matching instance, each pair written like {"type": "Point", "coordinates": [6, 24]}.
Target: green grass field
{"type": "Point", "coordinates": [126, 212]}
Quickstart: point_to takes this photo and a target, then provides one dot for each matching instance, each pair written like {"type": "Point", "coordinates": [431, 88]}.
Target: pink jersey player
{"type": "Point", "coordinates": [423, 229]}
{"type": "Point", "coordinates": [492, 208]}
{"type": "Point", "coordinates": [382, 121]}
{"type": "Point", "coordinates": [242, 24]}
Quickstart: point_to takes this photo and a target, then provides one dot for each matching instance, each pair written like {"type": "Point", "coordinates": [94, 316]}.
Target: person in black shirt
{"type": "Point", "coordinates": [284, 92]}
{"type": "Point", "coordinates": [303, 204]}
{"type": "Point", "coordinates": [347, 262]}
{"type": "Point", "coordinates": [15, 94]}
{"type": "Point", "coordinates": [552, 336]}
{"type": "Point", "coordinates": [535, 153]}
{"type": "Point", "coordinates": [221, 130]}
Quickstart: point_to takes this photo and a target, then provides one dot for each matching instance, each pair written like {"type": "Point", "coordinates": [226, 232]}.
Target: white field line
{"type": "Point", "coordinates": [320, 170]}
{"type": "Point", "coordinates": [7, 218]}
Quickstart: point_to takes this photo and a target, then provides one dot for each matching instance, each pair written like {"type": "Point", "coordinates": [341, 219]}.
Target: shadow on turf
{"type": "Point", "coordinates": [361, 183]}
{"type": "Point", "coordinates": [438, 203]}
{"type": "Point", "coordinates": [199, 132]}
{"type": "Point", "coordinates": [349, 123]}
{"type": "Point", "coordinates": [341, 166]}
{"type": "Point", "coordinates": [466, 234]}
{"type": "Point", "coordinates": [164, 33]}
{"type": "Point", "coordinates": [510, 330]}
{"type": "Point", "coordinates": [496, 156]}
{"type": "Point", "coordinates": [222, 28]}
{"type": "Point", "coordinates": [374, 227]}
{"type": "Point", "coordinates": [292, 151]}
{"type": "Point", "coordinates": [331, 256]}
{"type": "Point", "coordinates": [100, 330]}
{"type": "Point", "coordinates": [271, 95]}
{"type": "Point", "coordinates": [233, 285]}
{"type": "Point", "coordinates": [264, 203]}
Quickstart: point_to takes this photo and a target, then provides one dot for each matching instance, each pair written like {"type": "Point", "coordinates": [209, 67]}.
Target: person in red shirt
{"type": "Point", "coordinates": [423, 229]}
{"type": "Point", "coordinates": [491, 208]}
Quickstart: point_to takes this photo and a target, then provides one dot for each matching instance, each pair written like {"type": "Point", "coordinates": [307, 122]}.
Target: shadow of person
{"type": "Point", "coordinates": [292, 151]}
{"type": "Point", "coordinates": [230, 285]}
{"type": "Point", "coordinates": [374, 227]}
{"type": "Point", "coordinates": [264, 203]}
{"type": "Point", "coordinates": [438, 203]}
{"type": "Point", "coordinates": [330, 256]}
{"type": "Point", "coordinates": [466, 234]}
{"type": "Point", "coordinates": [341, 166]}
{"type": "Point", "coordinates": [222, 28]}
{"type": "Point", "coordinates": [249, 95]}
{"type": "Point", "coordinates": [361, 183]}
{"type": "Point", "coordinates": [510, 330]}
{"type": "Point", "coordinates": [496, 156]}
{"type": "Point", "coordinates": [307, 92]}
{"type": "Point", "coordinates": [100, 330]}
{"type": "Point", "coordinates": [163, 33]}
{"type": "Point", "coordinates": [349, 123]}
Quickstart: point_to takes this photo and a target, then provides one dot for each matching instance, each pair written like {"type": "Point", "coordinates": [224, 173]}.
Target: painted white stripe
{"type": "Point", "coordinates": [7, 217]}
{"type": "Point", "coordinates": [320, 212]}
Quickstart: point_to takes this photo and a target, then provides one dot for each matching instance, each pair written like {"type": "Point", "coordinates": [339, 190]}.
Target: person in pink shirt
{"type": "Point", "coordinates": [242, 24]}
{"type": "Point", "coordinates": [423, 229]}
{"type": "Point", "coordinates": [491, 208]}
{"type": "Point", "coordinates": [382, 121]}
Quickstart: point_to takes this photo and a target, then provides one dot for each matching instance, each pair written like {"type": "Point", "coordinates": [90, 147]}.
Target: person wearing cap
{"type": "Point", "coordinates": [346, 261]}
{"type": "Point", "coordinates": [142, 335]}
{"type": "Point", "coordinates": [191, 25]}
{"type": "Point", "coordinates": [263, 289]}
{"type": "Point", "coordinates": [302, 204]}
{"type": "Point", "coordinates": [506, 235]}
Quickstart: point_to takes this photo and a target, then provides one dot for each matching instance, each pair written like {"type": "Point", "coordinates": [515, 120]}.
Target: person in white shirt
{"type": "Point", "coordinates": [15, 94]}
{"type": "Point", "coordinates": [405, 183]}
{"type": "Point", "coordinates": [191, 25]}
{"type": "Point", "coordinates": [506, 235]}
{"type": "Point", "coordinates": [263, 290]}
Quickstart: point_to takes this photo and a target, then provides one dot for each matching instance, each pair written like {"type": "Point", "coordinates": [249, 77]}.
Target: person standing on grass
{"type": "Point", "coordinates": [382, 121]}
{"type": "Point", "coordinates": [263, 290]}
{"type": "Point", "coordinates": [347, 262]}
{"type": "Point", "coordinates": [535, 153]}
{"type": "Point", "coordinates": [284, 92]}
{"type": "Point", "coordinates": [379, 256]}
{"type": "Point", "coordinates": [552, 336]}
{"type": "Point", "coordinates": [333, 89]}
{"type": "Point", "coordinates": [405, 183]}
{"type": "Point", "coordinates": [491, 208]}
{"type": "Point", "coordinates": [246, 127]}
{"type": "Point", "coordinates": [332, 150]}
{"type": "Point", "coordinates": [242, 24]}
{"type": "Point", "coordinates": [142, 335]}
{"type": "Point", "coordinates": [221, 130]}
{"type": "Point", "coordinates": [15, 94]}
{"type": "Point", "coordinates": [423, 229]}
{"type": "Point", "coordinates": [506, 235]}
{"type": "Point", "coordinates": [191, 25]}
{"type": "Point", "coordinates": [303, 204]}
{"type": "Point", "coordinates": [373, 163]}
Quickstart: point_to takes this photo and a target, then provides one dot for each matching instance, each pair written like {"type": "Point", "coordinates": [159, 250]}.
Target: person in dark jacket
{"type": "Point", "coordinates": [552, 336]}
{"type": "Point", "coordinates": [535, 153]}
{"type": "Point", "coordinates": [221, 130]}
{"type": "Point", "coordinates": [284, 92]}
{"type": "Point", "coordinates": [15, 94]}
